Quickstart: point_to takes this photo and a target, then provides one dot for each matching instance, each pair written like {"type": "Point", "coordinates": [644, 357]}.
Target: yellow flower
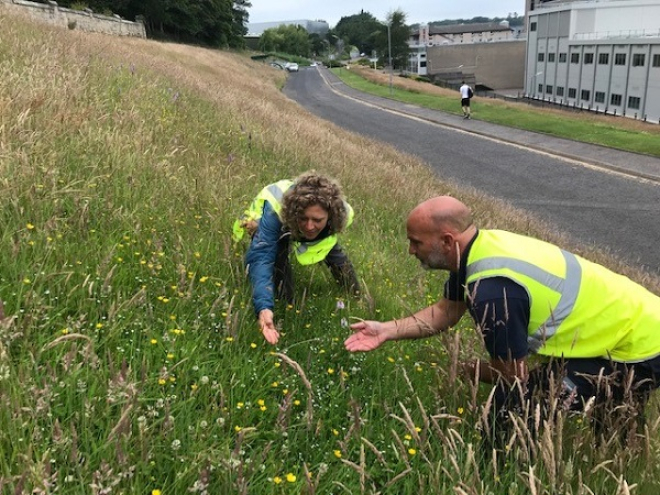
{"type": "Point", "coordinates": [277, 480]}
{"type": "Point", "coordinates": [198, 254]}
{"type": "Point", "coordinates": [153, 341]}
{"type": "Point", "coordinates": [65, 331]}
{"type": "Point", "coordinates": [337, 454]}
{"type": "Point", "coordinates": [162, 381]}
{"type": "Point", "coordinates": [30, 226]}
{"type": "Point", "coordinates": [296, 402]}
{"type": "Point", "coordinates": [290, 477]}
{"type": "Point", "coordinates": [99, 325]}
{"type": "Point", "coordinates": [203, 279]}
{"type": "Point", "coordinates": [253, 345]}
{"type": "Point", "coordinates": [156, 492]}
{"type": "Point", "coordinates": [390, 359]}
{"type": "Point", "coordinates": [27, 281]}
{"type": "Point", "coordinates": [239, 405]}
{"type": "Point", "coordinates": [275, 385]}
{"type": "Point", "coordinates": [412, 451]}
{"type": "Point", "coordinates": [460, 410]}
{"type": "Point", "coordinates": [331, 371]}
{"type": "Point", "coordinates": [229, 339]}
{"type": "Point", "coordinates": [170, 355]}
{"type": "Point", "coordinates": [261, 402]}
{"type": "Point", "coordinates": [194, 386]}
{"type": "Point", "coordinates": [335, 432]}
{"type": "Point", "coordinates": [407, 437]}
{"type": "Point", "coordinates": [237, 428]}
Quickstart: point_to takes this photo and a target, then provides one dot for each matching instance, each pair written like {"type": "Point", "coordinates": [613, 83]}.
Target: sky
{"type": "Point", "coordinates": [418, 11]}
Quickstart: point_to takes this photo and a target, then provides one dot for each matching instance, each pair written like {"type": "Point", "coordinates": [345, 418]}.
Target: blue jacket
{"type": "Point", "coordinates": [260, 259]}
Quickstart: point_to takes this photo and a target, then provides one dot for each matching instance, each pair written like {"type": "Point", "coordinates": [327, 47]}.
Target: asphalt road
{"type": "Point", "coordinates": [595, 206]}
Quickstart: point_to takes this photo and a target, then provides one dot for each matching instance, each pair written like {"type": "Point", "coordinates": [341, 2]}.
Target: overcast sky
{"type": "Point", "coordinates": [418, 11]}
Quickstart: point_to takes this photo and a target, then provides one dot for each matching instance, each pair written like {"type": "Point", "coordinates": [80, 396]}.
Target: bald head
{"type": "Point", "coordinates": [442, 213]}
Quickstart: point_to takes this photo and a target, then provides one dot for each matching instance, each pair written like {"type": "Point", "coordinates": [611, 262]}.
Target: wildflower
{"type": "Point", "coordinates": [290, 477]}
{"type": "Point", "coordinates": [99, 326]}
{"type": "Point", "coordinates": [277, 480]}
{"type": "Point", "coordinates": [407, 437]}
{"type": "Point", "coordinates": [331, 371]}
{"type": "Point", "coordinates": [178, 331]}
{"type": "Point", "coordinates": [337, 454]}
{"type": "Point", "coordinates": [30, 226]}
{"type": "Point", "coordinates": [277, 364]}
{"type": "Point", "coordinates": [203, 279]}
{"type": "Point", "coordinates": [412, 451]}
{"type": "Point", "coordinates": [170, 355]}
{"type": "Point", "coordinates": [153, 341]}
{"type": "Point", "coordinates": [253, 345]}
{"type": "Point", "coordinates": [340, 304]}
{"type": "Point", "coordinates": [390, 359]}
{"type": "Point", "coordinates": [261, 402]}
{"type": "Point", "coordinates": [176, 444]}
{"type": "Point", "coordinates": [237, 428]}
{"type": "Point", "coordinates": [27, 281]}
{"type": "Point", "coordinates": [204, 380]}
{"type": "Point", "coordinates": [285, 391]}
{"type": "Point", "coordinates": [460, 410]}
{"type": "Point", "coordinates": [229, 339]}
{"type": "Point", "coordinates": [275, 385]}
{"type": "Point", "coordinates": [156, 492]}
{"type": "Point", "coordinates": [194, 387]}
{"type": "Point", "coordinates": [296, 402]}
{"type": "Point", "coordinates": [240, 405]}
{"type": "Point", "coordinates": [198, 254]}
{"type": "Point", "coordinates": [162, 381]}
{"type": "Point", "coordinates": [344, 323]}
{"type": "Point", "coordinates": [64, 331]}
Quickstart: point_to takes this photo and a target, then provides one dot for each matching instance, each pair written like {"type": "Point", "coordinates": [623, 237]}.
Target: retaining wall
{"type": "Point", "coordinates": [86, 20]}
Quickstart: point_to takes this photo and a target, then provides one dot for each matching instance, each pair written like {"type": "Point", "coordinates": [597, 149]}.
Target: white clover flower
{"type": "Point", "coordinates": [176, 444]}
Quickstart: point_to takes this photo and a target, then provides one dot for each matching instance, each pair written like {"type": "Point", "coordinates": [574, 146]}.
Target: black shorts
{"type": "Point", "coordinates": [465, 102]}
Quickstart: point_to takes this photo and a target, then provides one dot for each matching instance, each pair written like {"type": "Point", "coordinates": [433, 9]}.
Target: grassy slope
{"type": "Point", "coordinates": [129, 358]}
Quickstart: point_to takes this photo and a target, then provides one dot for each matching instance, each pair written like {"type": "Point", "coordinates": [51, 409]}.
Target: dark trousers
{"type": "Point", "coordinates": [340, 267]}
{"type": "Point", "coordinates": [614, 395]}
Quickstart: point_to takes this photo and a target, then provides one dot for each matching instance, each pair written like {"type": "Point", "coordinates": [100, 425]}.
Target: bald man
{"type": "Point", "coordinates": [530, 297]}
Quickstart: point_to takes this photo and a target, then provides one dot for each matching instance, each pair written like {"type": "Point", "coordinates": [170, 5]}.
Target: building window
{"type": "Point", "coordinates": [620, 59]}
{"type": "Point", "coordinates": [562, 58]}
{"type": "Point", "coordinates": [548, 89]}
{"type": "Point", "coordinates": [540, 88]}
{"type": "Point", "coordinates": [575, 58]}
{"type": "Point", "coordinates": [532, 26]}
{"type": "Point", "coordinates": [638, 59]}
{"type": "Point", "coordinates": [603, 58]}
{"type": "Point", "coordinates": [585, 95]}
{"type": "Point", "coordinates": [588, 58]}
{"type": "Point", "coordinates": [615, 100]}
{"type": "Point", "coordinates": [541, 57]}
{"type": "Point", "coordinates": [656, 60]}
{"type": "Point", "coordinates": [551, 57]}
{"type": "Point", "coordinates": [572, 92]}
{"type": "Point", "coordinates": [560, 90]}
{"type": "Point", "coordinates": [633, 102]}
{"type": "Point", "coordinates": [599, 97]}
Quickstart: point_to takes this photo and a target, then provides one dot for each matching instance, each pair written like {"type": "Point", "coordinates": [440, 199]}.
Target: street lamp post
{"type": "Point", "coordinates": [389, 51]}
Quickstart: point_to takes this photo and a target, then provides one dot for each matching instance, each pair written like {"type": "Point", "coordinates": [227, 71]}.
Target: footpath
{"type": "Point", "coordinates": [628, 163]}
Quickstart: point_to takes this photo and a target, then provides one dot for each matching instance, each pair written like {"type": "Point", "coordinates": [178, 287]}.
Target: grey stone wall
{"type": "Point", "coordinates": [87, 20]}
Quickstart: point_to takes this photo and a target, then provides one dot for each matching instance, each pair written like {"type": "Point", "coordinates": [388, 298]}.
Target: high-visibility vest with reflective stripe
{"type": "Point", "coordinates": [307, 252]}
{"type": "Point", "coordinates": [578, 308]}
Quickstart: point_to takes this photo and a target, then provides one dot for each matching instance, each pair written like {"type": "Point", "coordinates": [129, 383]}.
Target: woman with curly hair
{"type": "Point", "coordinates": [304, 216]}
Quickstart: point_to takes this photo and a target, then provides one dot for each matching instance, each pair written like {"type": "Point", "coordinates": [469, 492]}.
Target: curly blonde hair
{"type": "Point", "coordinates": [311, 189]}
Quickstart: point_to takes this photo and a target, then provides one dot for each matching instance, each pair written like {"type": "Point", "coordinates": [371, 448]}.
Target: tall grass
{"type": "Point", "coordinates": [130, 360]}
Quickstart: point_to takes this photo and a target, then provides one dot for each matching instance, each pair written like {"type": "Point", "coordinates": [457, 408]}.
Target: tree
{"type": "Point", "coordinates": [358, 30]}
{"type": "Point", "coordinates": [290, 39]}
{"type": "Point", "coordinates": [396, 40]}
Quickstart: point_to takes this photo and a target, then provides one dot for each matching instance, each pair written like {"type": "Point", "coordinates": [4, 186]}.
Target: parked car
{"type": "Point", "coordinates": [291, 67]}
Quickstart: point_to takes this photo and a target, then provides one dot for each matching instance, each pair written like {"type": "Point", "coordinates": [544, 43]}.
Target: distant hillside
{"type": "Point", "coordinates": [513, 19]}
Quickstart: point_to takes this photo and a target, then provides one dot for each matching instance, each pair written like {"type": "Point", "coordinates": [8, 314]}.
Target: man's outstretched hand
{"type": "Point", "coordinates": [368, 336]}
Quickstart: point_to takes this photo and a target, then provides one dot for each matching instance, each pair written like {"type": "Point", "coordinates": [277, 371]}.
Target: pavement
{"type": "Point", "coordinates": [628, 163]}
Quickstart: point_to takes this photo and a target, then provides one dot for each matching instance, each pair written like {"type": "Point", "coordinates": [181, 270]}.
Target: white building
{"type": "Point", "coordinates": [601, 55]}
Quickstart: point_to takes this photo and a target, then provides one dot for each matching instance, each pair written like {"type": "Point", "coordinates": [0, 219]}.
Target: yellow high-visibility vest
{"type": "Point", "coordinates": [578, 308]}
{"type": "Point", "coordinates": [307, 252]}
